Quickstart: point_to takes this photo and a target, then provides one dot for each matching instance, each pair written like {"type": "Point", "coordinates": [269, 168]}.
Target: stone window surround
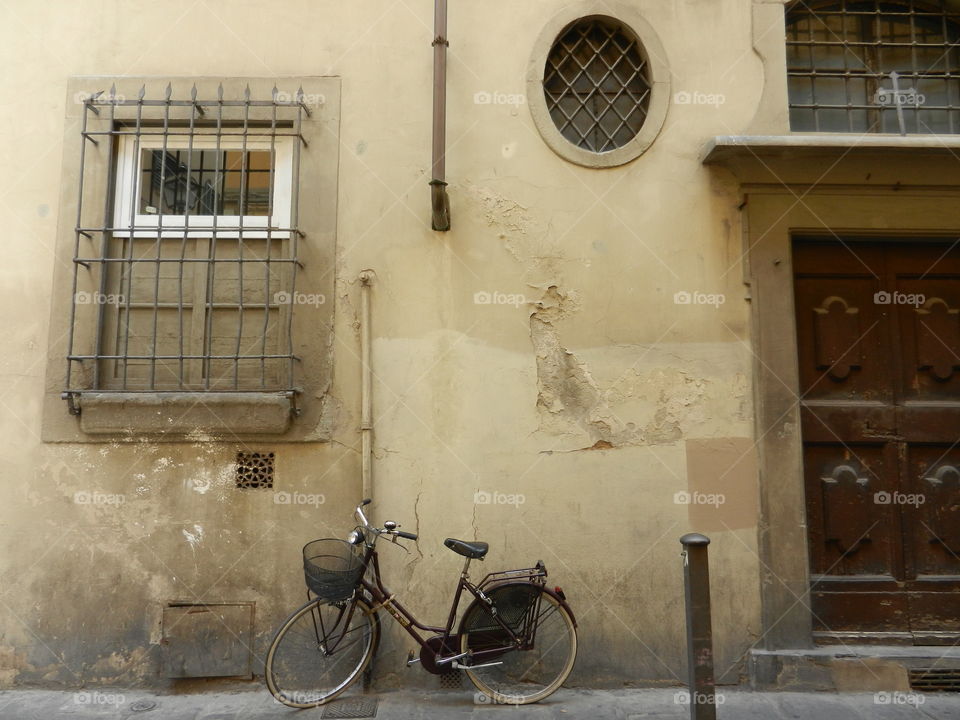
{"type": "Point", "coordinates": [108, 417]}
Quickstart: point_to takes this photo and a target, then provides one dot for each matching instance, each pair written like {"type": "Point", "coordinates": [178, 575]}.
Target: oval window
{"type": "Point", "coordinates": [596, 84]}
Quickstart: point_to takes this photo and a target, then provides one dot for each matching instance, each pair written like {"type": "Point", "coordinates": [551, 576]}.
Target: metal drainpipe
{"type": "Point", "coordinates": [439, 199]}
{"type": "Point", "coordinates": [366, 384]}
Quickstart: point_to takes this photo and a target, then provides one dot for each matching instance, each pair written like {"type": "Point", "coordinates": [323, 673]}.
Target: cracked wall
{"type": "Point", "coordinates": [473, 402]}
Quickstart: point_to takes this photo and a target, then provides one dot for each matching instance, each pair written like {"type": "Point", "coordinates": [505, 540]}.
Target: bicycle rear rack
{"type": "Point", "coordinates": [538, 573]}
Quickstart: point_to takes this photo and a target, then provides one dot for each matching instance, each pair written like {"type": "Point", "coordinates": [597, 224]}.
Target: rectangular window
{"type": "Point", "coordinates": [194, 264]}
{"type": "Point", "coordinates": [873, 66]}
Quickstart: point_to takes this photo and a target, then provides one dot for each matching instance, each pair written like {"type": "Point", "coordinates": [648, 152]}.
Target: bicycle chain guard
{"type": "Point", "coordinates": [434, 647]}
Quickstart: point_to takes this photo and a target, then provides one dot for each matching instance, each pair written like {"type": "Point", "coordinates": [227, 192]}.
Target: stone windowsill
{"type": "Point", "coordinates": [184, 414]}
{"type": "Point", "coordinates": [723, 146]}
{"type": "Point", "coordinates": [891, 161]}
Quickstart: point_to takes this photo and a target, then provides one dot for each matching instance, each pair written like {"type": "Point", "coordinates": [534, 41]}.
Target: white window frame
{"type": "Point", "coordinates": [129, 177]}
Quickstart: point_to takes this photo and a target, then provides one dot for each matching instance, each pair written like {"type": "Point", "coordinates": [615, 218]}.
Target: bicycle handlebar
{"type": "Point", "coordinates": [379, 531]}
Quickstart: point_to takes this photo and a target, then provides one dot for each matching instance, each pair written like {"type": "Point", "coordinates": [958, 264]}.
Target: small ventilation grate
{"type": "Point", "coordinates": [355, 707]}
{"type": "Point", "coordinates": [255, 470]}
{"type": "Point", "coordinates": [935, 680]}
{"type": "Point", "coordinates": [452, 680]}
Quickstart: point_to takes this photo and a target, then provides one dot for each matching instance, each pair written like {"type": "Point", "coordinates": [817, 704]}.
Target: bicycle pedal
{"type": "Point", "coordinates": [458, 666]}
{"type": "Point", "coordinates": [411, 660]}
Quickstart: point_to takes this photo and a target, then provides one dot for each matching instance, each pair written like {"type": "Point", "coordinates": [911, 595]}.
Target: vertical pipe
{"type": "Point", "coordinates": [696, 575]}
{"type": "Point", "coordinates": [366, 386]}
{"type": "Point", "coordinates": [440, 44]}
{"type": "Point", "coordinates": [438, 184]}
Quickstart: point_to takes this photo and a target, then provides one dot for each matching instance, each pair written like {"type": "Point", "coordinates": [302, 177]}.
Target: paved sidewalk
{"type": "Point", "coordinates": [659, 704]}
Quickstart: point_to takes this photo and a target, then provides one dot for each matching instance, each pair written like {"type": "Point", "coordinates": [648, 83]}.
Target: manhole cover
{"type": "Point", "coordinates": [142, 705]}
{"type": "Point", "coordinates": [358, 707]}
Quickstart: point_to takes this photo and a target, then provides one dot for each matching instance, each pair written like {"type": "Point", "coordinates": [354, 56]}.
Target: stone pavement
{"type": "Point", "coordinates": [653, 704]}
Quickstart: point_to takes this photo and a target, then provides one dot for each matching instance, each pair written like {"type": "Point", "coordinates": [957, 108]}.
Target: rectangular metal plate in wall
{"type": "Point", "coordinates": [212, 640]}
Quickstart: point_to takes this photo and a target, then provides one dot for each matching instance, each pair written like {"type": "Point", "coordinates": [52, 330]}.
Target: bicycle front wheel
{"type": "Point", "coordinates": [548, 644]}
{"type": "Point", "coordinates": [320, 651]}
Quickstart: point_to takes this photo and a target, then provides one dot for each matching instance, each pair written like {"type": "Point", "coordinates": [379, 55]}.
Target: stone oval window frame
{"type": "Point", "coordinates": [659, 79]}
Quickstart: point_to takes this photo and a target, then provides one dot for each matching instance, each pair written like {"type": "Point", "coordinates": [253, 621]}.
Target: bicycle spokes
{"type": "Point", "coordinates": [530, 658]}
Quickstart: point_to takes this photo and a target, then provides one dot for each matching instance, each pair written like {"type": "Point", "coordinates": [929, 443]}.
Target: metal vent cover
{"type": "Point", "coordinates": [255, 469]}
{"type": "Point", "coordinates": [355, 707]}
{"type": "Point", "coordinates": [451, 680]}
{"type": "Point", "coordinates": [935, 679]}
{"type": "Point", "coordinates": [597, 85]}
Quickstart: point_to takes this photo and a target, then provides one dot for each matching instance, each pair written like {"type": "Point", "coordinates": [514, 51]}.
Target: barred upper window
{"type": "Point", "coordinates": [597, 85]}
{"type": "Point", "coordinates": [184, 275]}
{"type": "Point", "coordinates": [871, 66]}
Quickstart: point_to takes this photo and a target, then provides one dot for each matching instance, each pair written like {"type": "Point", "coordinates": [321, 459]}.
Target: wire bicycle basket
{"type": "Point", "coordinates": [332, 568]}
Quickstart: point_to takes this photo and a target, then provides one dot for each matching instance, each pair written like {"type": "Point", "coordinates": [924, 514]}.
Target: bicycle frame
{"type": "Point", "coordinates": [383, 598]}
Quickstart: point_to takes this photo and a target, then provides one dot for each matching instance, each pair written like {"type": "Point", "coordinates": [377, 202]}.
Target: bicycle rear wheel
{"type": "Point", "coordinates": [518, 676]}
{"type": "Point", "coordinates": [320, 651]}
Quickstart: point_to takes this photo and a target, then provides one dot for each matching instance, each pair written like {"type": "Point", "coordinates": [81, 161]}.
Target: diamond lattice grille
{"type": "Point", "coordinates": [596, 85]}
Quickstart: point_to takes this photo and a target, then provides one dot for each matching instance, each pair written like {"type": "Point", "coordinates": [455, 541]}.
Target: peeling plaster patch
{"type": "Point", "coordinates": [12, 663]}
{"type": "Point", "coordinates": [662, 403]}
{"type": "Point", "coordinates": [500, 211]}
{"type": "Point", "coordinates": [195, 537]}
{"type": "Point", "coordinates": [199, 484]}
{"type": "Point", "coordinates": [116, 663]}
{"type": "Point", "coordinates": [568, 399]}
{"type": "Point", "coordinates": [787, 430]}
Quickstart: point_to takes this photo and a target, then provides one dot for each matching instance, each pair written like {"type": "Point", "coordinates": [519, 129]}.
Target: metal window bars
{"type": "Point", "coordinates": [596, 85]}
{"type": "Point", "coordinates": [181, 296]}
{"type": "Point", "coordinates": [872, 66]}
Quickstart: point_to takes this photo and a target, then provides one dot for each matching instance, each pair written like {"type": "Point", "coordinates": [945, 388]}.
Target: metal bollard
{"type": "Point", "coordinates": [696, 576]}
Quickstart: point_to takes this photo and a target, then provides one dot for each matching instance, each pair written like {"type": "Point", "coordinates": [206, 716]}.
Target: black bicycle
{"type": "Point", "coordinates": [517, 640]}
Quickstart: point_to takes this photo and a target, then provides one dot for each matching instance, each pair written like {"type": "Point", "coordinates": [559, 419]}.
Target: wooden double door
{"type": "Point", "coordinates": [878, 330]}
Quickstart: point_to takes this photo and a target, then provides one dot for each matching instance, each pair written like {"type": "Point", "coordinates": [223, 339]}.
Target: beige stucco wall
{"type": "Point", "coordinates": [589, 400]}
